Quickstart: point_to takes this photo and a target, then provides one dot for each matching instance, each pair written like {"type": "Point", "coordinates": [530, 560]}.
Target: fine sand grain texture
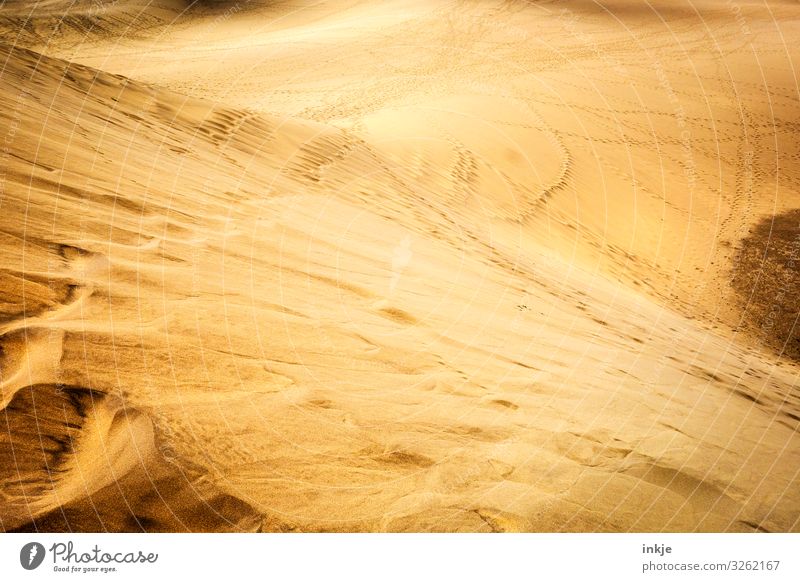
{"type": "Point", "coordinates": [461, 266]}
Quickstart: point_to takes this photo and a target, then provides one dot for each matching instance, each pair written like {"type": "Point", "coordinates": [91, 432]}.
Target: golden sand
{"type": "Point", "coordinates": [399, 266]}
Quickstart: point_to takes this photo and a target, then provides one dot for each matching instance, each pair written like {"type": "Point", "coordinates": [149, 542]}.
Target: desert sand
{"type": "Point", "coordinates": [415, 265]}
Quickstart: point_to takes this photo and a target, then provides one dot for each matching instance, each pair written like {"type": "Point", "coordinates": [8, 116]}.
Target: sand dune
{"type": "Point", "coordinates": [408, 266]}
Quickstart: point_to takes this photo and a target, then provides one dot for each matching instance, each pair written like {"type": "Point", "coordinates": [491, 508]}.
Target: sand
{"type": "Point", "coordinates": [399, 266]}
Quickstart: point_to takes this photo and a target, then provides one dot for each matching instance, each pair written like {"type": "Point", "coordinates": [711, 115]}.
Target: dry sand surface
{"type": "Point", "coordinates": [399, 266]}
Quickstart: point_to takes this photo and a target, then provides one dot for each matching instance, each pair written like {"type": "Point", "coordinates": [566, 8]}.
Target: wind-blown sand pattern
{"type": "Point", "coordinates": [399, 266]}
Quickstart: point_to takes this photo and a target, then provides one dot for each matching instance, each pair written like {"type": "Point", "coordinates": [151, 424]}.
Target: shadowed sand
{"type": "Point", "coordinates": [401, 266]}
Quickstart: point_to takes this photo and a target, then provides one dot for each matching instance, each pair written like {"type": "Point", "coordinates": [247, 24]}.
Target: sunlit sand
{"type": "Point", "coordinates": [399, 266]}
